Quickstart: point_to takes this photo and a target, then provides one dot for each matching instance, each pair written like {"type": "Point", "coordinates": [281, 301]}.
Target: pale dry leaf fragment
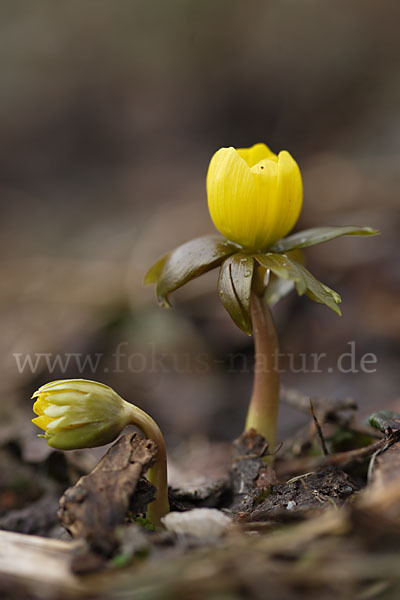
{"type": "Point", "coordinates": [200, 522]}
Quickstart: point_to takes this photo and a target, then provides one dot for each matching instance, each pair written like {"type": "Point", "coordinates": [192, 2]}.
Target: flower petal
{"type": "Point", "coordinates": [55, 423]}
{"type": "Point", "coordinates": [40, 405]}
{"type": "Point", "coordinates": [231, 195]}
{"type": "Point", "coordinates": [64, 398]}
{"type": "Point", "coordinates": [54, 411]}
{"type": "Point", "coordinates": [73, 389]}
{"type": "Point", "coordinates": [42, 422]}
{"type": "Point", "coordinates": [86, 436]}
{"type": "Point", "coordinates": [290, 194]}
{"type": "Point", "coordinates": [255, 153]}
{"type": "Point", "coordinates": [266, 209]}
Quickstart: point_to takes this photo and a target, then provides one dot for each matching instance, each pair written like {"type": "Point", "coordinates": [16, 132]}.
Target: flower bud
{"type": "Point", "coordinates": [254, 196]}
{"type": "Point", "coordinates": [76, 413]}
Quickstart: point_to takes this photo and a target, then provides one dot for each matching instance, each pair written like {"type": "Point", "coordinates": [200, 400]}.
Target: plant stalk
{"type": "Point", "coordinates": [157, 475]}
{"type": "Point", "coordinates": [264, 404]}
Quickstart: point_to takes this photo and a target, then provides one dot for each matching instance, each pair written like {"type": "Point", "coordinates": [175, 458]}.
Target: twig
{"type": "Point", "coordinates": [341, 459]}
{"type": "Point", "coordinates": [298, 400]}
{"type": "Point", "coordinates": [319, 430]}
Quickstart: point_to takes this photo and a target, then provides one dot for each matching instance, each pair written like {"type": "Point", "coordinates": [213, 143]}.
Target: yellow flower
{"type": "Point", "coordinates": [254, 196]}
{"type": "Point", "coordinates": [76, 413]}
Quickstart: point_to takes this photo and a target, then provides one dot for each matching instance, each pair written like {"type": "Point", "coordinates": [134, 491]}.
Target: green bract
{"type": "Point", "coordinates": [234, 288]}
{"type": "Point", "coordinates": [187, 262]}
{"type": "Point", "coordinates": [318, 235]}
{"type": "Point", "coordinates": [237, 267]}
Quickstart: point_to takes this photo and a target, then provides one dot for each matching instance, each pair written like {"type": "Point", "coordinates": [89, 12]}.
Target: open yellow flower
{"type": "Point", "coordinates": [77, 413]}
{"type": "Point", "coordinates": [254, 196]}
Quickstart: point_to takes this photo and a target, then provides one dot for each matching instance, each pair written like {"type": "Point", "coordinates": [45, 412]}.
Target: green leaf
{"type": "Point", "coordinates": [284, 268]}
{"type": "Point", "coordinates": [318, 291]}
{"type": "Point", "coordinates": [153, 274]}
{"type": "Point", "coordinates": [277, 289]}
{"type": "Point", "coordinates": [189, 261]}
{"type": "Point", "coordinates": [318, 235]}
{"type": "Point", "coordinates": [234, 289]}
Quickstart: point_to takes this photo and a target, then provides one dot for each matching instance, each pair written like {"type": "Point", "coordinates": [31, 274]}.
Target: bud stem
{"type": "Point", "coordinates": [264, 404]}
{"type": "Point", "coordinates": [157, 475]}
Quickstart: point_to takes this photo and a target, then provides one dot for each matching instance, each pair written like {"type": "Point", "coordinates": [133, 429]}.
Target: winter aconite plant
{"type": "Point", "coordinates": [254, 198]}
{"type": "Point", "coordinates": [76, 413]}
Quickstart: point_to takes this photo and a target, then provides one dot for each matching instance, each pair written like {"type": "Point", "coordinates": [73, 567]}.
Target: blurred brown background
{"type": "Point", "coordinates": [109, 114]}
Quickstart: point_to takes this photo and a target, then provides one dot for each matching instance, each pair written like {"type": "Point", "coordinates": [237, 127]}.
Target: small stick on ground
{"type": "Point", "coordinates": [319, 430]}
{"type": "Point", "coordinates": [330, 406]}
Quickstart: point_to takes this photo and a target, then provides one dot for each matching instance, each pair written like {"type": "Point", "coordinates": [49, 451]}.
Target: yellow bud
{"type": "Point", "coordinates": [76, 413]}
{"type": "Point", "coordinates": [254, 196]}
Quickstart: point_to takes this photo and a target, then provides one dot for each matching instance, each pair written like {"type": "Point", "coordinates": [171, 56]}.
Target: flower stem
{"type": "Point", "coordinates": [264, 404]}
{"type": "Point", "coordinates": [157, 475]}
